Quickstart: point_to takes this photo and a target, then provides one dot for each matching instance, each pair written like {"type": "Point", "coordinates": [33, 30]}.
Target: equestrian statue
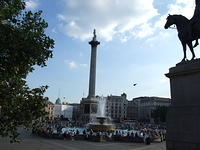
{"type": "Point", "coordinates": [188, 30]}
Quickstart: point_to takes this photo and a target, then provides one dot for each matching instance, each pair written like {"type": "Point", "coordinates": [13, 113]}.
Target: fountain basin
{"type": "Point", "coordinates": [102, 127]}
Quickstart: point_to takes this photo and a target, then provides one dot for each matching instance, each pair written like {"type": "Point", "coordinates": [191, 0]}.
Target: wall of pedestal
{"type": "Point", "coordinates": [183, 119]}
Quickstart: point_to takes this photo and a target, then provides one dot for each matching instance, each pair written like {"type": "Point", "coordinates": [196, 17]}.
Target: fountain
{"type": "Point", "coordinates": [102, 122]}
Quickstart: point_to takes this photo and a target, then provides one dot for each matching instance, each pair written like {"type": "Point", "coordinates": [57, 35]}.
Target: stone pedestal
{"type": "Point", "coordinates": [183, 118]}
{"type": "Point", "coordinates": [89, 109]}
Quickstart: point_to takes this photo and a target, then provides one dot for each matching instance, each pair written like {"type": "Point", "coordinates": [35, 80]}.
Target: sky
{"type": "Point", "coordinates": [135, 47]}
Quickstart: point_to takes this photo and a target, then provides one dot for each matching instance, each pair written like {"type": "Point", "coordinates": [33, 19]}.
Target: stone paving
{"type": "Point", "coordinates": [31, 142]}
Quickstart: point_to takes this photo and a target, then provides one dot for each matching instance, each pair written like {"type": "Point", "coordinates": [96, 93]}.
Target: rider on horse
{"type": "Point", "coordinates": [195, 19]}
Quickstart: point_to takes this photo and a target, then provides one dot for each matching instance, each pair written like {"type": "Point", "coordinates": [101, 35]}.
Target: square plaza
{"type": "Point", "coordinates": [32, 142]}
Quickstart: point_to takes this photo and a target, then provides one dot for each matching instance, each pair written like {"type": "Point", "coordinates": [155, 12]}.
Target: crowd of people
{"type": "Point", "coordinates": [140, 132]}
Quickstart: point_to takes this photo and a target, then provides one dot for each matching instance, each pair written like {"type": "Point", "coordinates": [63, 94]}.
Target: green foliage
{"type": "Point", "coordinates": [160, 113]}
{"type": "Point", "coordinates": [23, 45]}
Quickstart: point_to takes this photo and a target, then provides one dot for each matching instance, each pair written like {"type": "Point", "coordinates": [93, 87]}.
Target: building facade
{"type": "Point", "coordinates": [64, 111]}
{"type": "Point", "coordinates": [49, 110]}
{"type": "Point", "coordinates": [76, 111]}
{"type": "Point", "coordinates": [145, 106]}
{"type": "Point", "coordinates": [116, 107]}
{"type": "Point", "coordinates": [132, 111]}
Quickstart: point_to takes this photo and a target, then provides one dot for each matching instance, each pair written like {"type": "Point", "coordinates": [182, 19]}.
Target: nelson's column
{"type": "Point", "coordinates": [89, 104]}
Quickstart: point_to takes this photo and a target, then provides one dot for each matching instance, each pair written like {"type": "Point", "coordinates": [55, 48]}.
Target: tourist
{"type": "Point", "coordinates": [72, 135]}
{"type": "Point", "coordinates": [77, 132]}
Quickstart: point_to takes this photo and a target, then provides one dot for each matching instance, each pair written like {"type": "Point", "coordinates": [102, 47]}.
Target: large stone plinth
{"type": "Point", "coordinates": [88, 109]}
{"type": "Point", "coordinates": [183, 119]}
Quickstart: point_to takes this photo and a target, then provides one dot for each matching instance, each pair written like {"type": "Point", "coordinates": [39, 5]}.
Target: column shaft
{"type": "Point", "coordinates": [92, 80]}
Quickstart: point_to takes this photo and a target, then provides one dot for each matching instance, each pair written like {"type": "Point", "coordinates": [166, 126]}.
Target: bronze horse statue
{"type": "Point", "coordinates": [182, 24]}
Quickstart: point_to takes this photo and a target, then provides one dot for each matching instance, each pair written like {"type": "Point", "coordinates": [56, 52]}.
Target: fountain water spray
{"type": "Point", "coordinates": [102, 122]}
{"type": "Point", "coordinates": [102, 107]}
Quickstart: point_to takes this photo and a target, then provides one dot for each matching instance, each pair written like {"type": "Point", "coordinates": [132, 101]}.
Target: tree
{"type": "Point", "coordinates": [159, 114]}
{"type": "Point", "coordinates": [23, 45]}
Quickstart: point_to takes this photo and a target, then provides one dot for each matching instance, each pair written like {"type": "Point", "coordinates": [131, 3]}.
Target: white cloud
{"type": "Point", "coordinates": [124, 39]}
{"type": "Point", "coordinates": [183, 7]}
{"type": "Point", "coordinates": [32, 4]}
{"type": "Point", "coordinates": [83, 65]}
{"type": "Point", "coordinates": [53, 30]}
{"type": "Point", "coordinates": [144, 30]}
{"type": "Point", "coordinates": [61, 17]}
{"type": "Point", "coordinates": [162, 35]}
{"type": "Point", "coordinates": [110, 17]}
{"type": "Point", "coordinates": [164, 81]}
{"type": "Point", "coordinates": [73, 65]}
{"type": "Point", "coordinates": [117, 18]}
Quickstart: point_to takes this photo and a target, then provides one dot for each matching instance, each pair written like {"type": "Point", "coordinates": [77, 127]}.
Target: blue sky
{"type": "Point", "coordinates": [135, 48]}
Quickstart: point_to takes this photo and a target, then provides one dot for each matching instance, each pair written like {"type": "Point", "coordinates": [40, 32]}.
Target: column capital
{"type": "Point", "coordinates": [94, 43]}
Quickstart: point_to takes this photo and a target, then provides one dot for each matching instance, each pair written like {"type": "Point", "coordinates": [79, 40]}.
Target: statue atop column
{"type": "Point", "coordinates": [188, 30]}
{"type": "Point", "coordinates": [95, 36]}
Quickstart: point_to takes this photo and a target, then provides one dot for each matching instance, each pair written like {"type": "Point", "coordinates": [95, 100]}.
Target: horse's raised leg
{"type": "Point", "coordinates": [184, 50]}
{"type": "Point", "coordinates": [191, 49]}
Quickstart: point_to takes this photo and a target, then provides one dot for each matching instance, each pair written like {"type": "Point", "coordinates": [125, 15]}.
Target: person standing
{"type": "Point", "coordinates": [194, 19]}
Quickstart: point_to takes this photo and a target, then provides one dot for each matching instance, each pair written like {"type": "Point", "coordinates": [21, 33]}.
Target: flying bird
{"type": "Point", "coordinates": [134, 84]}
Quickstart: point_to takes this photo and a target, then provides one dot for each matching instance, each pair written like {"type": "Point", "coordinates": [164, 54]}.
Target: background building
{"type": "Point", "coordinates": [58, 101]}
{"type": "Point", "coordinates": [63, 110]}
{"type": "Point", "coordinates": [76, 111]}
{"type": "Point", "coordinates": [116, 107]}
{"type": "Point", "coordinates": [145, 106]}
{"type": "Point", "coordinates": [49, 109]}
{"type": "Point", "coordinates": [132, 111]}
